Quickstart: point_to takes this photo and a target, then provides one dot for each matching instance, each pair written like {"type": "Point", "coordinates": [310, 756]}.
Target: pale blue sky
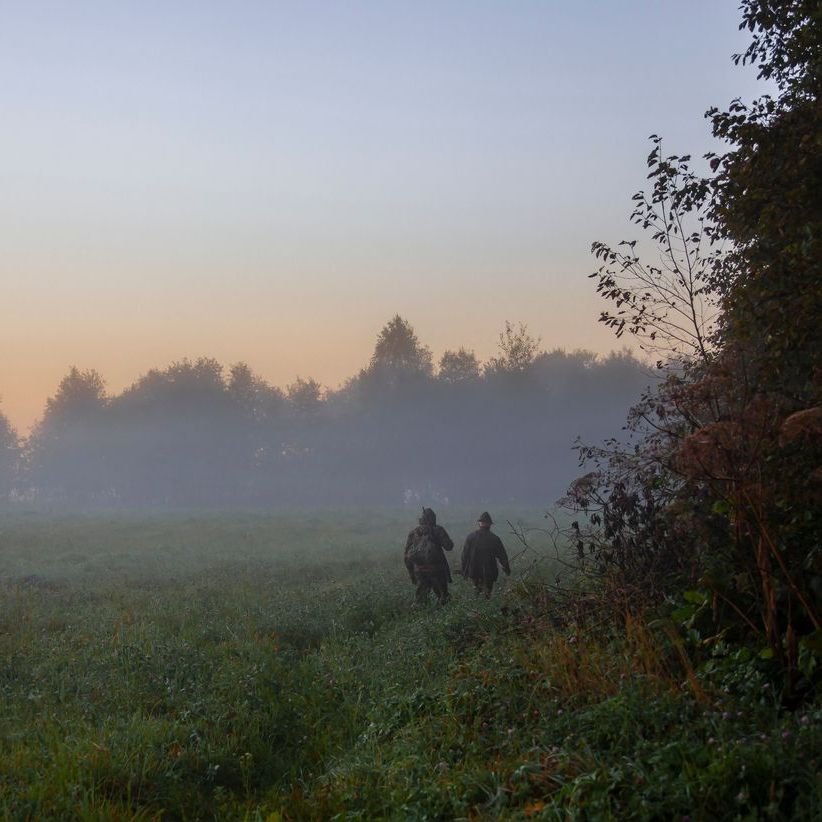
{"type": "Point", "coordinates": [272, 181]}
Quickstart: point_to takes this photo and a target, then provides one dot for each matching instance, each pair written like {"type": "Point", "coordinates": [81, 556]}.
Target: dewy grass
{"type": "Point", "coordinates": [266, 666]}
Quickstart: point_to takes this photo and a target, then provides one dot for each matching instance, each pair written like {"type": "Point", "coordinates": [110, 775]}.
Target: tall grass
{"type": "Point", "coordinates": [272, 666]}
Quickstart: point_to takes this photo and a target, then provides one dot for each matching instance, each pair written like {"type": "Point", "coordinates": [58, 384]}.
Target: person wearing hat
{"type": "Point", "coordinates": [480, 555]}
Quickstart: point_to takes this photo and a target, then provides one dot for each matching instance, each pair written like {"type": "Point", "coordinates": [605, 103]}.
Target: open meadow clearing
{"type": "Point", "coordinates": [267, 666]}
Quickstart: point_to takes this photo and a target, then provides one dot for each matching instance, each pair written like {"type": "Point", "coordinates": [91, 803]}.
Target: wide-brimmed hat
{"type": "Point", "coordinates": [486, 518]}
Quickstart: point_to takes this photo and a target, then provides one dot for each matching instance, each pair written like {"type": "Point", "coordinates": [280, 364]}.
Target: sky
{"type": "Point", "coordinates": [271, 182]}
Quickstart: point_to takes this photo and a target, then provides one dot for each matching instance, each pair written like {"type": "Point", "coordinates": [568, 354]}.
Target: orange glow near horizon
{"type": "Point", "coordinates": [328, 339]}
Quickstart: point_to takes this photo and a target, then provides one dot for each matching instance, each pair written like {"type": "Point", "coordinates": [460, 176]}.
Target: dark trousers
{"type": "Point", "coordinates": [435, 582]}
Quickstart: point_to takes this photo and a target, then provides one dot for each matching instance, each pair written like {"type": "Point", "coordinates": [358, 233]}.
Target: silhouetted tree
{"type": "Point", "coordinates": [178, 435]}
{"type": "Point", "coordinates": [459, 366]}
{"type": "Point", "coordinates": [253, 395]}
{"type": "Point", "coordinates": [243, 387]}
{"type": "Point", "coordinates": [398, 351]}
{"type": "Point", "coordinates": [9, 454]}
{"type": "Point", "coordinates": [66, 455]}
{"type": "Point", "coordinates": [669, 304]}
{"type": "Point", "coordinates": [305, 396]}
{"type": "Point", "coordinates": [518, 350]}
{"type": "Point", "coordinates": [79, 395]}
{"type": "Point", "coordinates": [768, 201]}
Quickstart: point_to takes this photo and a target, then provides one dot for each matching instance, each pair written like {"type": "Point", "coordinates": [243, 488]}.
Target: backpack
{"type": "Point", "coordinates": [424, 551]}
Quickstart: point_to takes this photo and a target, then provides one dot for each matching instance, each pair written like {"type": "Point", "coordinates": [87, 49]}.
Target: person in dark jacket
{"type": "Point", "coordinates": [429, 572]}
{"type": "Point", "coordinates": [480, 555]}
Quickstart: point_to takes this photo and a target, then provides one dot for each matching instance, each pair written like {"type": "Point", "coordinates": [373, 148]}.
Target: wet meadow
{"type": "Point", "coordinates": [271, 666]}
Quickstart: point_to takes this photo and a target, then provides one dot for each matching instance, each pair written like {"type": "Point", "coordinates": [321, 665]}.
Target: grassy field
{"type": "Point", "coordinates": [271, 666]}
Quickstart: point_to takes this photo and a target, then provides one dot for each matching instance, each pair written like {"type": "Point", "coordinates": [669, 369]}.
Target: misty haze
{"type": "Point", "coordinates": [411, 411]}
{"type": "Point", "coordinates": [400, 432]}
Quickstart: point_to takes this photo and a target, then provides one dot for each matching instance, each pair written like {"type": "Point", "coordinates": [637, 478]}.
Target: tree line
{"type": "Point", "coordinates": [398, 432]}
